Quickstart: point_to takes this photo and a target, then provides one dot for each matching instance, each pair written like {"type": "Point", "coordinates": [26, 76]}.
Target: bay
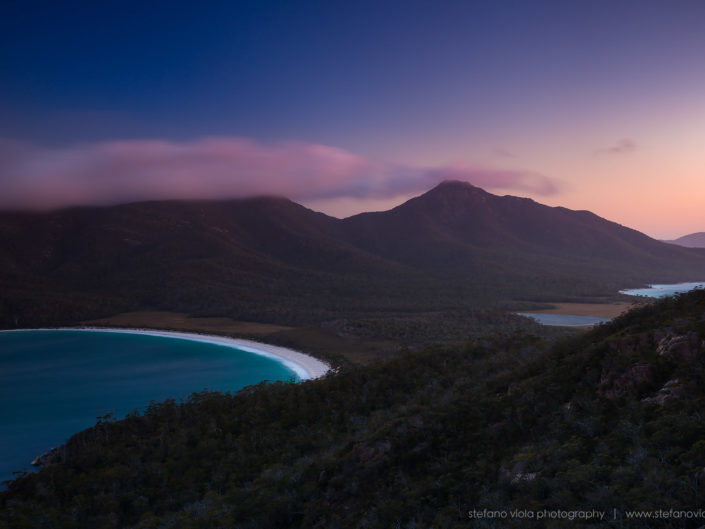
{"type": "Point", "coordinates": [55, 383]}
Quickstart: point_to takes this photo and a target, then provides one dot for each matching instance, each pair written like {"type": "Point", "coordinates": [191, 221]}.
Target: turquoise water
{"type": "Point", "coordinates": [661, 291]}
{"type": "Point", "coordinates": [564, 320]}
{"type": "Point", "coordinates": [56, 383]}
{"type": "Point", "coordinates": [654, 291]}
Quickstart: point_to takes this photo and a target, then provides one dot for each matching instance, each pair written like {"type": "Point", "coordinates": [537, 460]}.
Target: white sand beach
{"type": "Point", "coordinates": [306, 367]}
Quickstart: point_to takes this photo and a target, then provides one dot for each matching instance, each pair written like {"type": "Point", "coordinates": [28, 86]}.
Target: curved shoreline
{"type": "Point", "coordinates": [306, 367]}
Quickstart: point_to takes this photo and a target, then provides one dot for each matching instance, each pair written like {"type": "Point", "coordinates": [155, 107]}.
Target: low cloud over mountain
{"type": "Point", "coordinates": [111, 172]}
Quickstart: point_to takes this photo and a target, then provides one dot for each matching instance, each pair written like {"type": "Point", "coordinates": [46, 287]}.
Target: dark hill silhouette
{"type": "Point", "coordinates": [456, 225]}
{"type": "Point", "coordinates": [693, 240]}
{"type": "Point", "coordinates": [239, 257]}
{"type": "Point", "coordinates": [270, 259]}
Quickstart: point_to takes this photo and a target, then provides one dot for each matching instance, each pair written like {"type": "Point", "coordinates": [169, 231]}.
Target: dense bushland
{"type": "Point", "coordinates": [612, 419]}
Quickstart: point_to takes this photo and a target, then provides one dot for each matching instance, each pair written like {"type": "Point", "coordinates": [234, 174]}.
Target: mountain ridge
{"type": "Point", "coordinates": [271, 259]}
{"type": "Point", "coordinates": [692, 240]}
{"type": "Point", "coordinates": [493, 221]}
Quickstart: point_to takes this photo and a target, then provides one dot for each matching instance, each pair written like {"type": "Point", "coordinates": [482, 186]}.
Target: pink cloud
{"type": "Point", "coordinates": [505, 179]}
{"type": "Point", "coordinates": [623, 146]}
{"type": "Point", "coordinates": [218, 167]}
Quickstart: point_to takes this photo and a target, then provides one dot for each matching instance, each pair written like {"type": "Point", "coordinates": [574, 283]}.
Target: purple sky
{"type": "Point", "coordinates": [348, 107]}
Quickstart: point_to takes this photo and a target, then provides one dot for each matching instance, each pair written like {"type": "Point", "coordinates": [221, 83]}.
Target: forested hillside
{"type": "Point", "coordinates": [271, 260]}
{"type": "Point", "coordinates": [609, 421]}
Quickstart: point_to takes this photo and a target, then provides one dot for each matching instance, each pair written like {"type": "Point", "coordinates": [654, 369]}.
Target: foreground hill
{"type": "Point", "coordinates": [694, 240]}
{"type": "Point", "coordinates": [272, 260]}
{"type": "Point", "coordinates": [609, 423]}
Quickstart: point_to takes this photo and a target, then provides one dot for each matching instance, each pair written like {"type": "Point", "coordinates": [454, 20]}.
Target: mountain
{"type": "Point", "coordinates": [604, 423]}
{"type": "Point", "coordinates": [694, 240]}
{"type": "Point", "coordinates": [468, 236]}
{"type": "Point", "coordinates": [244, 258]}
{"type": "Point", "coordinates": [270, 259]}
{"type": "Point", "coordinates": [456, 225]}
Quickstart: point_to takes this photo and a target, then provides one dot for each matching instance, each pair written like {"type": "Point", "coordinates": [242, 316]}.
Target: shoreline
{"type": "Point", "coordinates": [305, 366]}
{"type": "Point", "coordinates": [598, 310]}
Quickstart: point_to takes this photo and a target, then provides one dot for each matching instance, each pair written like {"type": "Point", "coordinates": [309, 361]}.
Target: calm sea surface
{"type": "Point", "coordinates": [56, 383]}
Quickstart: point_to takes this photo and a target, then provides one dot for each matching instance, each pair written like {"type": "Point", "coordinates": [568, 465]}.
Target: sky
{"type": "Point", "coordinates": [357, 106]}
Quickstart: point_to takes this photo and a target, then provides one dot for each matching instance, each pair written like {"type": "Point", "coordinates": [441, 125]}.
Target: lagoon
{"type": "Point", "coordinates": [571, 320]}
{"type": "Point", "coordinates": [54, 383]}
{"type": "Point", "coordinates": [563, 320]}
{"type": "Point", "coordinates": [662, 290]}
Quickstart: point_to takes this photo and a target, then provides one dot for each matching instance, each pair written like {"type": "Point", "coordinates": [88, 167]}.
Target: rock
{"type": "Point", "coordinates": [673, 346]}
{"type": "Point", "coordinates": [51, 457]}
{"type": "Point", "coordinates": [517, 474]}
{"type": "Point", "coordinates": [678, 346]}
{"type": "Point", "coordinates": [527, 476]}
{"type": "Point", "coordinates": [671, 389]}
{"type": "Point", "coordinates": [614, 387]}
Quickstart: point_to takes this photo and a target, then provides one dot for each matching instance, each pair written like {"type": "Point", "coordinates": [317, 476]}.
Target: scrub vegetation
{"type": "Point", "coordinates": [609, 419]}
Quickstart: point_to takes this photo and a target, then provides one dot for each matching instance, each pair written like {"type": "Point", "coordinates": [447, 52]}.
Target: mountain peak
{"type": "Point", "coordinates": [452, 193]}
{"type": "Point", "coordinates": [449, 201]}
{"type": "Point", "coordinates": [454, 185]}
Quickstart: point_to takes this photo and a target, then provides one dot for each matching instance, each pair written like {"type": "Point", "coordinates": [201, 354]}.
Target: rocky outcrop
{"type": "Point", "coordinates": [612, 387]}
{"type": "Point", "coordinates": [52, 457]}
{"type": "Point", "coordinates": [671, 389]}
{"type": "Point", "coordinates": [517, 474]}
{"type": "Point", "coordinates": [677, 346]}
